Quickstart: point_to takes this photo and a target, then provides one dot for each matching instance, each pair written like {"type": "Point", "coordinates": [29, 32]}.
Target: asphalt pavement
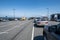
{"type": "Point", "coordinates": [38, 33]}
{"type": "Point", "coordinates": [20, 30]}
{"type": "Point", "coordinates": [26, 34]}
{"type": "Point", "coordinates": [4, 26]}
{"type": "Point", "coordinates": [12, 29]}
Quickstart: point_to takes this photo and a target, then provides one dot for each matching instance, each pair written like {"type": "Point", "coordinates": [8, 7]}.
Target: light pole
{"type": "Point", "coordinates": [6, 18]}
{"type": "Point", "coordinates": [48, 13]}
{"type": "Point", "coordinates": [14, 13]}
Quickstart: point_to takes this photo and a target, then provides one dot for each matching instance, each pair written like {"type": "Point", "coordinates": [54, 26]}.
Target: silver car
{"type": "Point", "coordinates": [41, 22]}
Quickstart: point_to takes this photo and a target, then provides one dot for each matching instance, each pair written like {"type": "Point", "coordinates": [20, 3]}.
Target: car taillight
{"type": "Point", "coordinates": [46, 22]}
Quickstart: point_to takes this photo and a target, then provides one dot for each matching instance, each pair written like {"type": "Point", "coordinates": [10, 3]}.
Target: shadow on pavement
{"type": "Point", "coordinates": [38, 38]}
{"type": "Point", "coordinates": [38, 26]}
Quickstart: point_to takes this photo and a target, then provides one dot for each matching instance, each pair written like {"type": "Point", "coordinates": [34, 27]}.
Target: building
{"type": "Point", "coordinates": [55, 17]}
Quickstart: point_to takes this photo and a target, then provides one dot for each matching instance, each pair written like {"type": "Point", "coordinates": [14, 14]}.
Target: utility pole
{"type": "Point", "coordinates": [14, 13]}
{"type": "Point", "coordinates": [6, 18]}
{"type": "Point", "coordinates": [48, 13]}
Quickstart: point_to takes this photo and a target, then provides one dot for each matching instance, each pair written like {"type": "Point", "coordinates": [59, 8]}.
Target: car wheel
{"type": "Point", "coordinates": [44, 34]}
{"type": "Point", "coordinates": [35, 25]}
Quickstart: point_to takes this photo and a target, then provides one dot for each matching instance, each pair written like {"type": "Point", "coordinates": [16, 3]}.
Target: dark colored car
{"type": "Point", "coordinates": [52, 32]}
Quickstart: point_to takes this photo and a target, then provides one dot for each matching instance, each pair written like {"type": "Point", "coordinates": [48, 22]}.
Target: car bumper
{"type": "Point", "coordinates": [42, 24]}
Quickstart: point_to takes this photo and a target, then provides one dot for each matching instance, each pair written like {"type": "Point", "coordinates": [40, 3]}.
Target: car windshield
{"type": "Point", "coordinates": [43, 19]}
{"type": "Point", "coordinates": [38, 18]}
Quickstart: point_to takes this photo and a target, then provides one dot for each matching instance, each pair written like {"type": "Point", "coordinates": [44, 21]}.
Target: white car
{"type": "Point", "coordinates": [36, 19]}
{"type": "Point", "coordinates": [41, 22]}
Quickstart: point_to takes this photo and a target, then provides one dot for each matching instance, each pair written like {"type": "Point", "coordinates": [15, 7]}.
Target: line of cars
{"type": "Point", "coordinates": [12, 19]}
{"type": "Point", "coordinates": [49, 28]}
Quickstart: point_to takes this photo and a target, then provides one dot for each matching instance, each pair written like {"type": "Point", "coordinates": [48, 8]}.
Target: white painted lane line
{"type": "Point", "coordinates": [32, 34]}
{"type": "Point", "coordinates": [6, 31]}
{"type": "Point", "coordinates": [3, 32]}
{"type": "Point", "coordinates": [9, 30]}
{"type": "Point", "coordinates": [15, 27]}
{"type": "Point", "coordinates": [7, 25]}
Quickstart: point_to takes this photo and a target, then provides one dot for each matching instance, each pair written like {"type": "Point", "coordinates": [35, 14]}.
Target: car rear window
{"type": "Point", "coordinates": [43, 19]}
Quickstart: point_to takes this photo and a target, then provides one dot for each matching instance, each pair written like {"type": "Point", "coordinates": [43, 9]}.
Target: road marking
{"type": "Point", "coordinates": [12, 28]}
{"type": "Point", "coordinates": [9, 24]}
{"type": "Point", "coordinates": [15, 27]}
{"type": "Point", "coordinates": [6, 25]}
{"type": "Point", "coordinates": [9, 29]}
{"type": "Point", "coordinates": [3, 32]}
{"type": "Point", "coordinates": [32, 34]}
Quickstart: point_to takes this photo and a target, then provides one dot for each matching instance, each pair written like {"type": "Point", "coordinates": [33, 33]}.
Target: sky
{"type": "Point", "coordinates": [28, 8]}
